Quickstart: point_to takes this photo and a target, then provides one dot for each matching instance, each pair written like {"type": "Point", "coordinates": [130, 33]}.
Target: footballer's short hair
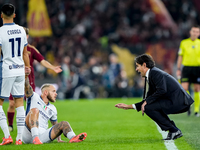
{"type": "Point", "coordinates": [145, 58]}
{"type": "Point", "coordinates": [44, 86]}
{"type": "Point", "coordinates": [26, 30]}
{"type": "Point", "coordinates": [8, 9]}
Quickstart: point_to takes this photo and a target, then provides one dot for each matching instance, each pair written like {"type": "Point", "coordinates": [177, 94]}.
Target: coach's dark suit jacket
{"type": "Point", "coordinates": [164, 89]}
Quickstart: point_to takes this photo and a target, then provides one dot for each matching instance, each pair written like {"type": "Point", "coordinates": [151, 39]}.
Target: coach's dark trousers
{"type": "Point", "coordinates": [156, 113]}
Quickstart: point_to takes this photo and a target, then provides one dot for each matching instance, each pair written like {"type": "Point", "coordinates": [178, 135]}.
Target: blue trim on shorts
{"type": "Point", "coordinates": [3, 97]}
{"type": "Point", "coordinates": [50, 134]}
{"type": "Point", "coordinates": [53, 120]}
{"type": "Point", "coordinates": [17, 96]}
{"type": "Point", "coordinates": [28, 104]}
{"type": "Point", "coordinates": [27, 127]}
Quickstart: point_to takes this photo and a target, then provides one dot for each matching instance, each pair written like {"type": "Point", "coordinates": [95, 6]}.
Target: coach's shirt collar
{"type": "Point", "coordinates": [147, 74]}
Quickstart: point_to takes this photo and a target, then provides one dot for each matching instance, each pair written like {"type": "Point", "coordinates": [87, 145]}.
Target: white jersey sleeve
{"type": "Point", "coordinates": [12, 41]}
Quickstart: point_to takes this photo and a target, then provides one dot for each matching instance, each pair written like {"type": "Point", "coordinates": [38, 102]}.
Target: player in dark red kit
{"type": "Point", "coordinates": [34, 54]}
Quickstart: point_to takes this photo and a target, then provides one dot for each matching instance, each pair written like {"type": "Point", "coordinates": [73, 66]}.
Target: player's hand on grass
{"type": "Point", "coordinates": [123, 106]}
{"type": "Point", "coordinates": [61, 141]}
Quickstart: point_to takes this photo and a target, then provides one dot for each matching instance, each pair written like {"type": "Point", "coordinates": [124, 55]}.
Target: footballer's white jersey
{"type": "Point", "coordinates": [12, 41]}
{"type": "Point", "coordinates": [46, 112]}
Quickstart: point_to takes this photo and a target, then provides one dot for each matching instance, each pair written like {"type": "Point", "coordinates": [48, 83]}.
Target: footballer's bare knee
{"type": "Point", "coordinates": [64, 123]}
{"type": "Point", "coordinates": [11, 104]}
{"type": "Point", "coordinates": [63, 126]}
{"type": "Point", "coordinates": [32, 118]}
{"type": "Point", "coordinates": [18, 101]}
{"type": "Point", "coordinates": [66, 127]}
{"type": "Point", "coordinates": [34, 111]}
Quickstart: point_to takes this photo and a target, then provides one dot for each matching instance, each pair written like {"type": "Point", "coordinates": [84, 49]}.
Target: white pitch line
{"type": "Point", "coordinates": [170, 145]}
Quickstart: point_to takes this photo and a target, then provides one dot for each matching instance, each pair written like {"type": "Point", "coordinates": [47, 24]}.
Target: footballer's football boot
{"type": "Point", "coordinates": [7, 141]}
{"type": "Point", "coordinates": [78, 138]}
{"type": "Point", "coordinates": [18, 142]}
{"type": "Point", "coordinates": [37, 141]}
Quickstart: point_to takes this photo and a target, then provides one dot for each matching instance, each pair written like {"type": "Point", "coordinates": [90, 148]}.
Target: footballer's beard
{"type": "Point", "coordinates": [50, 98]}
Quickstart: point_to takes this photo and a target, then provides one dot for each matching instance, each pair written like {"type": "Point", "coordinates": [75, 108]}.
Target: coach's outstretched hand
{"type": "Point", "coordinates": [124, 106]}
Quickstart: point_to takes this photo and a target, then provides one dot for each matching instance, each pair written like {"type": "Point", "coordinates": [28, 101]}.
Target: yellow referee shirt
{"type": "Point", "coordinates": [190, 51]}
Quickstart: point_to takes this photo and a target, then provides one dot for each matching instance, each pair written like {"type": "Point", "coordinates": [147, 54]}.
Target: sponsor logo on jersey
{"type": "Point", "coordinates": [50, 113]}
{"type": "Point", "coordinates": [16, 31]}
{"type": "Point", "coordinates": [16, 66]}
{"type": "Point", "coordinates": [44, 115]}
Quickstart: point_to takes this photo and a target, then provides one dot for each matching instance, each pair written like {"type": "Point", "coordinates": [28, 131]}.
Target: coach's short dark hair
{"type": "Point", "coordinates": [8, 9]}
{"type": "Point", "coordinates": [144, 58]}
{"type": "Point", "coordinates": [195, 26]}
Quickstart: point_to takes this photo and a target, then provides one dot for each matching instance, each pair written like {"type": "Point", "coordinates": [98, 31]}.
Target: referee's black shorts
{"type": "Point", "coordinates": [190, 74]}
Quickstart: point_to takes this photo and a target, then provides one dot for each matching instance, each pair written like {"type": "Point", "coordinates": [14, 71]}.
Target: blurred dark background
{"type": "Point", "coordinates": [96, 41]}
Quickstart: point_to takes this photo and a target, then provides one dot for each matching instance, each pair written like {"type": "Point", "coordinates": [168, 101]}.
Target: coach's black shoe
{"type": "Point", "coordinates": [174, 135]}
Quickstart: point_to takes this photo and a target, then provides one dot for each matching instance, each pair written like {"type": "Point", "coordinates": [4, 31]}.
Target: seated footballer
{"type": "Point", "coordinates": [38, 112]}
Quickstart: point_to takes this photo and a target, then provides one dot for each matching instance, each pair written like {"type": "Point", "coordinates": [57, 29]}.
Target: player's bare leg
{"type": "Point", "coordinates": [4, 126]}
{"type": "Point", "coordinates": [20, 119]}
{"type": "Point", "coordinates": [32, 124]}
{"type": "Point", "coordinates": [65, 128]}
{"type": "Point", "coordinates": [10, 114]}
{"type": "Point", "coordinates": [62, 127]}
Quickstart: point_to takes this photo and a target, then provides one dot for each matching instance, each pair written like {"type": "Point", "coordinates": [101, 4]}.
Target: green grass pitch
{"type": "Point", "coordinates": [110, 128]}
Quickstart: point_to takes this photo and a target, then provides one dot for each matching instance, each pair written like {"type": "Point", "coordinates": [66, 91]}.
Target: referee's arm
{"type": "Point", "coordinates": [179, 62]}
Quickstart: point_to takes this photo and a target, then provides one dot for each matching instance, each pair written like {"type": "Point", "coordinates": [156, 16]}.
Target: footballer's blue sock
{"type": "Point", "coordinates": [20, 119]}
{"type": "Point", "coordinates": [3, 123]}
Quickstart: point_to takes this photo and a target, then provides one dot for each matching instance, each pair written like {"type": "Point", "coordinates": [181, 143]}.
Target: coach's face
{"type": "Point", "coordinates": [141, 69]}
{"type": "Point", "coordinates": [52, 94]}
{"type": "Point", "coordinates": [194, 33]}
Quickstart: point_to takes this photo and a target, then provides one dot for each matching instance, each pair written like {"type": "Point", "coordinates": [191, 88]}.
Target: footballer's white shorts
{"type": "Point", "coordinates": [13, 85]}
{"type": "Point", "coordinates": [44, 135]}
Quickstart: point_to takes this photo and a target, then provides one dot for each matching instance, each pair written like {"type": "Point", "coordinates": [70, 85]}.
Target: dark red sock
{"type": "Point", "coordinates": [10, 118]}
